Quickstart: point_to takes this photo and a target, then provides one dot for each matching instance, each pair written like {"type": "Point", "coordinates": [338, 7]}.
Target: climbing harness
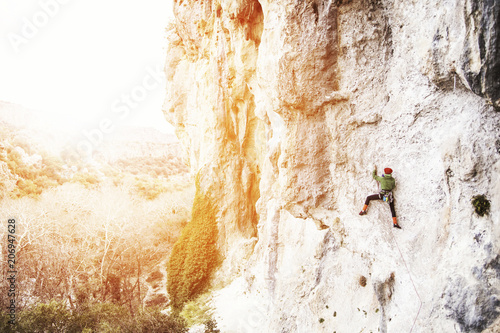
{"type": "Point", "coordinates": [386, 196]}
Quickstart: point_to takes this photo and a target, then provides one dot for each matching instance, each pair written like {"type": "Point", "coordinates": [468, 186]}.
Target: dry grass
{"type": "Point", "coordinates": [83, 236]}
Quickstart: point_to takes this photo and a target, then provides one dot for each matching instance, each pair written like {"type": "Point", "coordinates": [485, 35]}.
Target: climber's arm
{"type": "Point", "coordinates": [374, 174]}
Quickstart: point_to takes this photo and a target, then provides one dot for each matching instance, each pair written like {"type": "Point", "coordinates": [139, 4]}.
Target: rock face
{"type": "Point", "coordinates": [211, 72]}
{"type": "Point", "coordinates": [284, 108]}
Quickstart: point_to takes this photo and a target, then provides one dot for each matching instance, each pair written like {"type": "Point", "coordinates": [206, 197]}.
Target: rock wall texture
{"type": "Point", "coordinates": [284, 109]}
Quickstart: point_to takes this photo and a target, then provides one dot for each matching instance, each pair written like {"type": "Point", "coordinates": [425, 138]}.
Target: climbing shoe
{"type": "Point", "coordinates": [396, 226]}
{"type": "Point", "coordinates": [363, 212]}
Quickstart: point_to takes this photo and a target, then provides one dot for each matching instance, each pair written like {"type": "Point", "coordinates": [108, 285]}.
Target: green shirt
{"type": "Point", "coordinates": [386, 183]}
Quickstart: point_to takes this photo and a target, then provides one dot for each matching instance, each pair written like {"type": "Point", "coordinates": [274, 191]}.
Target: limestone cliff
{"type": "Point", "coordinates": [284, 108]}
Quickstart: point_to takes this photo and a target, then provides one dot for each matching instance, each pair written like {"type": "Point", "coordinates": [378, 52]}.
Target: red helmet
{"type": "Point", "coordinates": [387, 171]}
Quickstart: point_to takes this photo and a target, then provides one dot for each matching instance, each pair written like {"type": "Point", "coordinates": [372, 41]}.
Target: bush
{"type": "Point", "coordinates": [100, 317]}
{"type": "Point", "coordinates": [33, 180]}
{"type": "Point", "coordinates": [197, 311]}
{"type": "Point", "coordinates": [152, 320]}
{"type": "Point", "coordinates": [43, 182]}
{"type": "Point", "coordinates": [51, 317]}
{"type": "Point", "coordinates": [86, 179]}
{"type": "Point", "coordinates": [211, 327]}
{"type": "Point", "coordinates": [481, 205]}
{"type": "Point", "coordinates": [26, 187]}
{"type": "Point", "coordinates": [4, 323]}
{"type": "Point", "coordinates": [53, 168]}
{"type": "Point", "coordinates": [194, 257]}
{"type": "Point", "coordinates": [149, 188]}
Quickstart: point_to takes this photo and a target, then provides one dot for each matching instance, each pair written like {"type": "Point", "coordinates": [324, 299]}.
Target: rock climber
{"type": "Point", "coordinates": [387, 184]}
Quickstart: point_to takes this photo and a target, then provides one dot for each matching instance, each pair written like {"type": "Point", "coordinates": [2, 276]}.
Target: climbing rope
{"type": "Point", "coordinates": [411, 279]}
{"type": "Point", "coordinates": [407, 269]}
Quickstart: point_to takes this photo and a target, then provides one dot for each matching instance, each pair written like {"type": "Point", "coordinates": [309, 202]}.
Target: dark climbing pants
{"type": "Point", "coordinates": [379, 197]}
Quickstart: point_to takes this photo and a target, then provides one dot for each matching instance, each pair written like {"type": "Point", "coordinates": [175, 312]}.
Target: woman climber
{"type": "Point", "coordinates": [387, 183]}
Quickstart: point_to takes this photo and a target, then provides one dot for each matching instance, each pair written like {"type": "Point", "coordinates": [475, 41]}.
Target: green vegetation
{"type": "Point", "coordinates": [197, 311]}
{"type": "Point", "coordinates": [86, 179]}
{"type": "Point", "coordinates": [149, 187]}
{"type": "Point", "coordinates": [481, 205]}
{"type": "Point", "coordinates": [104, 317]}
{"type": "Point", "coordinates": [26, 187]}
{"type": "Point", "coordinates": [32, 179]}
{"type": "Point", "coordinates": [31, 170]}
{"type": "Point", "coordinates": [195, 255]}
{"type": "Point", "coordinates": [210, 327]}
{"type": "Point", "coordinates": [92, 232]}
{"type": "Point", "coordinates": [102, 248]}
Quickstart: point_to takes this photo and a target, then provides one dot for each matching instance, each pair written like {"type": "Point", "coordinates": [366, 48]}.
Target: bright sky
{"type": "Point", "coordinates": [85, 60]}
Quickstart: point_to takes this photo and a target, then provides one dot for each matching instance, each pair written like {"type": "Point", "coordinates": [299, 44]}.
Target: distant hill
{"type": "Point", "coordinates": [26, 126]}
{"type": "Point", "coordinates": [37, 155]}
{"type": "Point", "coordinates": [132, 142]}
{"type": "Point", "coordinates": [31, 129]}
{"type": "Point", "coordinates": [15, 115]}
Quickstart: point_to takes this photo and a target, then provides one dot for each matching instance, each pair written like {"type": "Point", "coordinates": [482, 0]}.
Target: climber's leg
{"type": "Point", "coordinates": [372, 197]}
{"type": "Point", "coordinates": [367, 202]}
{"type": "Point", "coordinates": [394, 218]}
{"type": "Point", "coordinates": [393, 211]}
